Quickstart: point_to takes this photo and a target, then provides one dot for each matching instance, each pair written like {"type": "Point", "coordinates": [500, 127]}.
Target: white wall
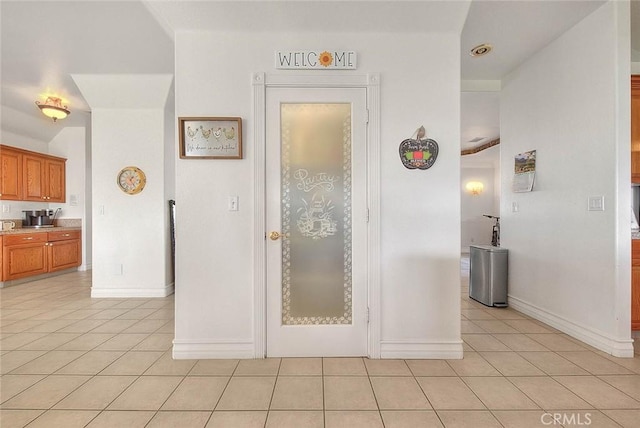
{"type": "Point", "coordinates": [476, 229]}
{"type": "Point", "coordinates": [70, 143]}
{"type": "Point", "coordinates": [169, 175]}
{"type": "Point", "coordinates": [570, 102]}
{"type": "Point", "coordinates": [420, 210]}
{"type": "Point", "coordinates": [129, 245]}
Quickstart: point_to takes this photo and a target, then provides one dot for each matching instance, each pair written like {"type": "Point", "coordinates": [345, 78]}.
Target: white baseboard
{"type": "Point", "coordinates": [84, 268]}
{"type": "Point", "coordinates": [211, 349]}
{"type": "Point", "coordinates": [131, 292]}
{"type": "Point", "coordinates": [421, 350]}
{"type": "Point", "coordinates": [616, 347]}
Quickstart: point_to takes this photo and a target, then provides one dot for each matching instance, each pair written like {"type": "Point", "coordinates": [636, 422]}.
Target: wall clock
{"type": "Point", "coordinates": [131, 180]}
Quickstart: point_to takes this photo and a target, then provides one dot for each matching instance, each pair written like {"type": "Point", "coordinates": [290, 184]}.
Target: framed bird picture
{"type": "Point", "coordinates": [210, 137]}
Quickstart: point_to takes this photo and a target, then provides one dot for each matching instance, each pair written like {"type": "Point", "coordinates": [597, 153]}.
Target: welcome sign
{"type": "Point", "coordinates": [316, 60]}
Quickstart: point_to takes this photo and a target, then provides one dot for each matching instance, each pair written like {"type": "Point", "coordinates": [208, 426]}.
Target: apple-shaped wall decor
{"type": "Point", "coordinates": [419, 152]}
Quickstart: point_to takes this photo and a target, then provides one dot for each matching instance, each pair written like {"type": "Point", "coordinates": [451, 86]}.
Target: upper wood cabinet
{"type": "Point", "coordinates": [31, 176]}
{"type": "Point", "coordinates": [11, 174]}
{"type": "Point", "coordinates": [635, 129]}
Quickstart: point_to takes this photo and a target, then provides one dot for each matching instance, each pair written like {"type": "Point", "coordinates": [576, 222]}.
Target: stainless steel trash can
{"type": "Point", "coordinates": [488, 275]}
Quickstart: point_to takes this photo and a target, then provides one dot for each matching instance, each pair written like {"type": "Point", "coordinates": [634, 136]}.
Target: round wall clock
{"type": "Point", "coordinates": [131, 180]}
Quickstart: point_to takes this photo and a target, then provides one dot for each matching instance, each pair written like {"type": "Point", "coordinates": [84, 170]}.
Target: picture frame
{"type": "Point", "coordinates": [210, 137]}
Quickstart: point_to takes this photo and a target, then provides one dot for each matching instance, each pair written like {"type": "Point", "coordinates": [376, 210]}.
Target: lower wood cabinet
{"type": "Point", "coordinates": [29, 254]}
{"type": "Point", "coordinates": [64, 250]}
{"type": "Point", "coordinates": [24, 255]}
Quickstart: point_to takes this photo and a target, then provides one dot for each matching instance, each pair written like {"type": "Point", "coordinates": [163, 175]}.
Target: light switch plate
{"type": "Point", "coordinates": [596, 203]}
{"type": "Point", "coordinates": [233, 203]}
{"type": "Point", "coordinates": [515, 207]}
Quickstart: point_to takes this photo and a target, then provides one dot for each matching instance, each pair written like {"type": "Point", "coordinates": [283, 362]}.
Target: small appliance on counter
{"type": "Point", "coordinates": [38, 218]}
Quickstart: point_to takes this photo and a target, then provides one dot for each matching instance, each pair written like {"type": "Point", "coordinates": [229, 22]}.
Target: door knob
{"type": "Point", "coordinates": [274, 236]}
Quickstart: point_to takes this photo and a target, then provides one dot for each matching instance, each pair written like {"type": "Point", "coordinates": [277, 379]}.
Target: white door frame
{"type": "Point", "coordinates": [260, 82]}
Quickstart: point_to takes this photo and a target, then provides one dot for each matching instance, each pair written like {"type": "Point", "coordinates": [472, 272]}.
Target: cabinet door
{"type": "Point", "coordinates": [34, 178]}
{"type": "Point", "coordinates": [11, 174]}
{"type": "Point", "coordinates": [54, 171]}
{"type": "Point", "coordinates": [64, 254]}
{"type": "Point", "coordinates": [20, 261]}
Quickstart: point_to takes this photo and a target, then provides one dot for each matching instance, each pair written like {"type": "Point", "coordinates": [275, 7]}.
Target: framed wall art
{"type": "Point", "coordinates": [210, 137]}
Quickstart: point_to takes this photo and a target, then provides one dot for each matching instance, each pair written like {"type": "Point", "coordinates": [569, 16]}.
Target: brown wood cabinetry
{"type": "Point", "coordinates": [635, 284]}
{"type": "Point", "coordinates": [65, 250]}
{"type": "Point", "coordinates": [24, 255]}
{"type": "Point", "coordinates": [31, 176]}
{"type": "Point", "coordinates": [11, 174]}
{"type": "Point", "coordinates": [635, 129]}
{"type": "Point", "coordinates": [28, 254]}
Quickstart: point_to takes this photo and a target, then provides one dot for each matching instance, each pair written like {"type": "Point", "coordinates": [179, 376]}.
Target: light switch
{"type": "Point", "coordinates": [233, 203]}
{"type": "Point", "coordinates": [596, 203]}
{"type": "Point", "coordinates": [101, 209]}
{"type": "Point", "coordinates": [515, 207]}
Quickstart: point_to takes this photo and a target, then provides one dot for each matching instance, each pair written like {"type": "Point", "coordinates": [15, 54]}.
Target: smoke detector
{"type": "Point", "coordinates": [481, 50]}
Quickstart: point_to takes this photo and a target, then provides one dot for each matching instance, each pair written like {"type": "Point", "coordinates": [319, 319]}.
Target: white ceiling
{"type": "Point", "coordinates": [312, 15]}
{"type": "Point", "coordinates": [44, 42]}
{"type": "Point", "coordinates": [517, 30]}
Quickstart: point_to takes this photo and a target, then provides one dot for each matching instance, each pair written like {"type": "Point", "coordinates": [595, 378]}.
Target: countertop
{"type": "Point", "coordinates": [42, 230]}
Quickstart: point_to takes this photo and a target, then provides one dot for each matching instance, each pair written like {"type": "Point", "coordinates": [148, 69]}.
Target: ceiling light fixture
{"type": "Point", "coordinates": [481, 50]}
{"type": "Point", "coordinates": [53, 108]}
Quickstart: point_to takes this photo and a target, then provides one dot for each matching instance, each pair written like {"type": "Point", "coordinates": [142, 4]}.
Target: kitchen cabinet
{"type": "Point", "coordinates": [24, 255]}
{"type": "Point", "coordinates": [31, 176]}
{"type": "Point", "coordinates": [64, 250]}
{"type": "Point", "coordinates": [43, 178]}
{"type": "Point", "coordinates": [635, 284]}
{"type": "Point", "coordinates": [11, 174]}
{"type": "Point", "coordinates": [635, 129]}
{"type": "Point", "coordinates": [28, 254]}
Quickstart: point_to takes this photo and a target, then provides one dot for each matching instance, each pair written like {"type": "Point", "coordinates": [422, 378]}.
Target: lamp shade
{"type": "Point", "coordinates": [53, 108]}
{"type": "Point", "coordinates": [474, 187]}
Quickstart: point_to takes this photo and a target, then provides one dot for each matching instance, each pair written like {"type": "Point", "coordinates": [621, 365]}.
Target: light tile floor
{"type": "Point", "coordinates": [67, 360]}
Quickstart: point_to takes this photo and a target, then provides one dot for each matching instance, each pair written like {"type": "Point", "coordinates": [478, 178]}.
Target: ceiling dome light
{"type": "Point", "coordinates": [53, 108]}
{"type": "Point", "coordinates": [481, 50]}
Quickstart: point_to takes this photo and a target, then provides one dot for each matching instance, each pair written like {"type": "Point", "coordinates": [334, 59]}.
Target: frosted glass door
{"type": "Point", "coordinates": [316, 204]}
{"type": "Point", "coordinates": [316, 213]}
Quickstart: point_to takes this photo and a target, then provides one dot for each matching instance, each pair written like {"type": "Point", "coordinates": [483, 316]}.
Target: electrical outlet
{"type": "Point", "coordinates": [6, 208]}
{"type": "Point", "coordinates": [596, 203]}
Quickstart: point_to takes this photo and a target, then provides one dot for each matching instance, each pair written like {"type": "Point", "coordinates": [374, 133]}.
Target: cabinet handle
{"type": "Point", "coordinates": [66, 234]}
{"type": "Point", "coordinates": [27, 239]}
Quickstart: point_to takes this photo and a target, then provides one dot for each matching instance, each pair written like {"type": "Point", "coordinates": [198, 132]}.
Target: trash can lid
{"type": "Point", "coordinates": [490, 248]}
